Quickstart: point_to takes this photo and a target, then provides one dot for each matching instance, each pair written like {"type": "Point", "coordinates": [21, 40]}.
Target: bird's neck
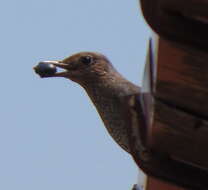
{"type": "Point", "coordinates": [106, 95]}
{"type": "Point", "coordinates": [111, 87]}
{"type": "Point", "coordinates": [112, 82]}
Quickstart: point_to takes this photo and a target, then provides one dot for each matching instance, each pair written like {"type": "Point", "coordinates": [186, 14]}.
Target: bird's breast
{"type": "Point", "coordinates": [110, 109]}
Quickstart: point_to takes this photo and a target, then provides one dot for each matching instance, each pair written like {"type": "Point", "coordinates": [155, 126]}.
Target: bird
{"type": "Point", "coordinates": [104, 85]}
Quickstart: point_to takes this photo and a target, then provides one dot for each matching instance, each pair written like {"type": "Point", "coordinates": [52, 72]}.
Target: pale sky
{"type": "Point", "coordinates": [51, 137]}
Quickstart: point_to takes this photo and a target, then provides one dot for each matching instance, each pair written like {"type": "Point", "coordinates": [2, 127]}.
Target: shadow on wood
{"type": "Point", "coordinates": [168, 124]}
{"type": "Point", "coordinates": [184, 21]}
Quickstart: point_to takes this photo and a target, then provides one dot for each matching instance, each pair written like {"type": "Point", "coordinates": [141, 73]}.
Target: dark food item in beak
{"type": "Point", "coordinates": [45, 69]}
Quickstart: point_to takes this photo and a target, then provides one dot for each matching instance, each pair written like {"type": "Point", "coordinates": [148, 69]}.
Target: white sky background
{"type": "Point", "coordinates": [50, 134]}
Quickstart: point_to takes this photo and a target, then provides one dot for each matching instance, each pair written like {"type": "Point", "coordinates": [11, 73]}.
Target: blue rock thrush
{"type": "Point", "coordinates": [103, 84]}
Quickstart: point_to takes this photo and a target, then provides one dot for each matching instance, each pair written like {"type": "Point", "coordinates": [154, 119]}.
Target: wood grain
{"type": "Point", "coordinates": [181, 135]}
{"type": "Point", "coordinates": [178, 136]}
{"type": "Point", "coordinates": [153, 184]}
{"type": "Point", "coordinates": [178, 20]}
{"type": "Point", "coordinates": [158, 160]}
{"type": "Point", "coordinates": [183, 78]}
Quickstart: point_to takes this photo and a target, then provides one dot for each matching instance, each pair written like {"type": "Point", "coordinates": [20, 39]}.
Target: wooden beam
{"type": "Point", "coordinates": [167, 138]}
{"type": "Point", "coordinates": [184, 21]}
{"type": "Point", "coordinates": [156, 184]}
{"type": "Point", "coordinates": [181, 111]}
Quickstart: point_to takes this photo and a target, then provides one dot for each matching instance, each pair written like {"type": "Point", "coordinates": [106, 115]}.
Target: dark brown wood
{"type": "Point", "coordinates": [180, 128]}
{"type": "Point", "coordinates": [184, 21]}
{"type": "Point", "coordinates": [156, 162]}
{"type": "Point", "coordinates": [155, 184]}
{"type": "Point", "coordinates": [181, 135]}
{"type": "Point", "coordinates": [168, 136]}
{"type": "Point", "coordinates": [182, 77]}
{"type": "Point", "coordinates": [176, 135]}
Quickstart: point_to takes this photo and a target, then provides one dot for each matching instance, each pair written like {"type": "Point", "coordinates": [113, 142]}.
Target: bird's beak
{"type": "Point", "coordinates": [49, 69]}
{"type": "Point", "coordinates": [57, 64]}
{"type": "Point", "coordinates": [61, 65]}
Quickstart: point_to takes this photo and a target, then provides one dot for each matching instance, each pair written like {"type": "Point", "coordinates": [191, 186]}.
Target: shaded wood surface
{"type": "Point", "coordinates": [181, 111]}
{"type": "Point", "coordinates": [180, 126]}
{"type": "Point", "coordinates": [171, 144]}
{"type": "Point", "coordinates": [184, 21]}
{"type": "Point", "coordinates": [182, 136]}
{"type": "Point", "coordinates": [155, 184]}
{"type": "Point", "coordinates": [183, 77]}
{"type": "Point", "coordinates": [153, 161]}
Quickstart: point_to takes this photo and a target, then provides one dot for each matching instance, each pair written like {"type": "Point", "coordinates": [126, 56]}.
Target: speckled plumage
{"type": "Point", "coordinates": [106, 96]}
{"type": "Point", "coordinates": [105, 87]}
{"type": "Point", "coordinates": [110, 110]}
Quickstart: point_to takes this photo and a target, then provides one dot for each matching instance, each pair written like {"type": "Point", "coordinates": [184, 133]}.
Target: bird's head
{"type": "Point", "coordinates": [79, 67]}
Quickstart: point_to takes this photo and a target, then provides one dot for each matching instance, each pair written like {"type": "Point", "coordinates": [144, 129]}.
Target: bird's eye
{"type": "Point", "coordinates": [86, 60]}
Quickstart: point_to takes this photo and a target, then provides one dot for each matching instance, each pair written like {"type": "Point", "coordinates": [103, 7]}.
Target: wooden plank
{"type": "Point", "coordinates": [169, 145]}
{"type": "Point", "coordinates": [182, 77]}
{"type": "Point", "coordinates": [181, 135]}
{"type": "Point", "coordinates": [155, 184]}
{"type": "Point", "coordinates": [155, 162]}
{"type": "Point", "coordinates": [184, 21]}
{"type": "Point", "coordinates": [180, 126]}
